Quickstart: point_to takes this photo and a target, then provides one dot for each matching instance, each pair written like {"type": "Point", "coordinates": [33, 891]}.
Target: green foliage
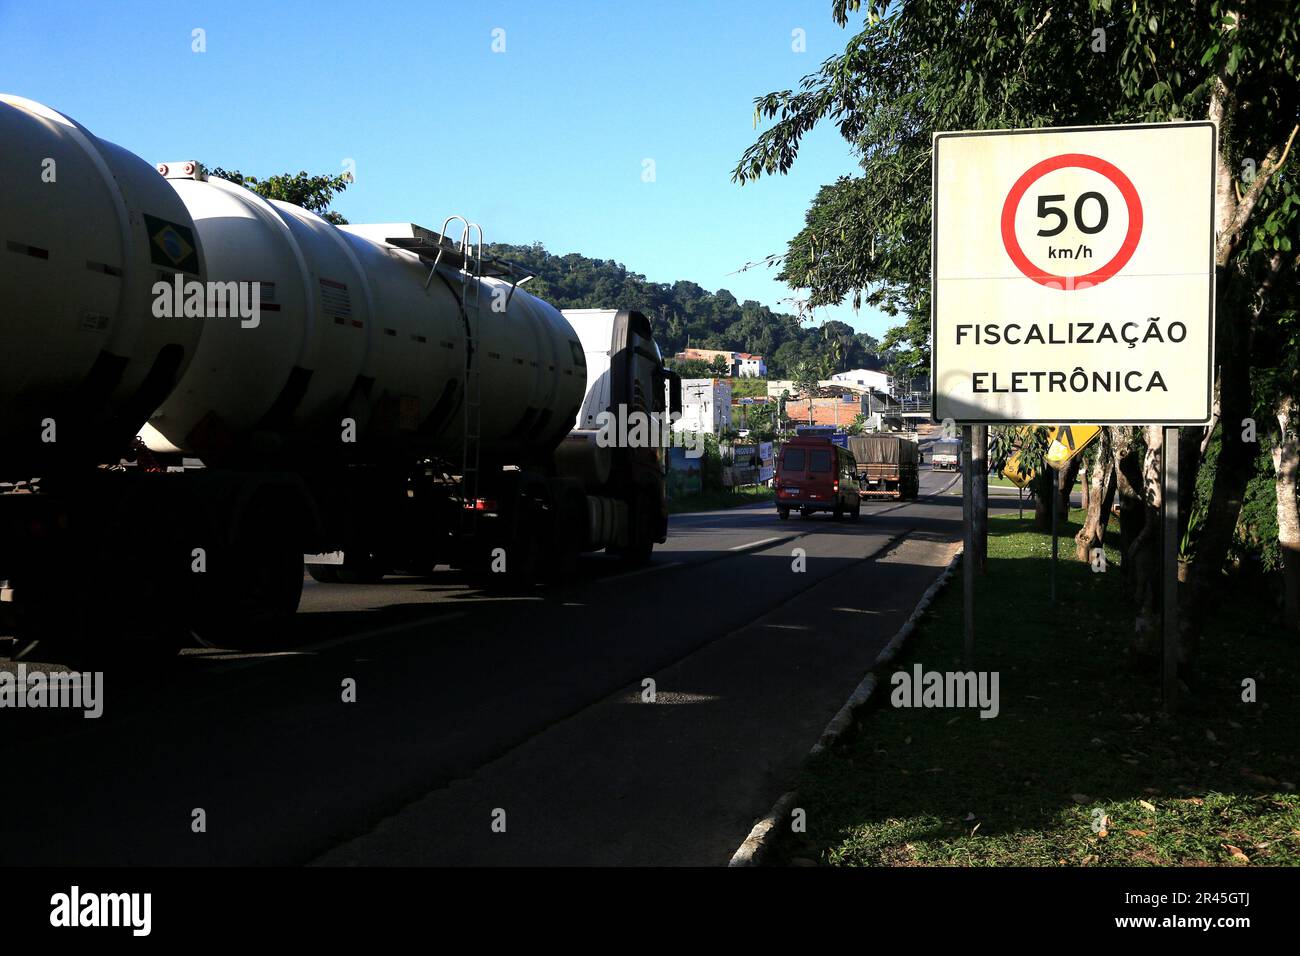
{"type": "Point", "coordinates": [937, 786]}
{"type": "Point", "coordinates": [1256, 534]}
{"type": "Point", "coordinates": [805, 376]}
{"type": "Point", "coordinates": [311, 192]}
{"type": "Point", "coordinates": [1030, 442]}
{"type": "Point", "coordinates": [918, 67]}
{"type": "Point", "coordinates": [1255, 537]}
{"type": "Point", "coordinates": [685, 314]}
{"type": "Point", "coordinates": [759, 419]}
{"type": "Point", "coordinates": [748, 387]}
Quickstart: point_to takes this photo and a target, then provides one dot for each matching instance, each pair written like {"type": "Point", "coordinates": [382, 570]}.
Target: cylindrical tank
{"type": "Point", "coordinates": [347, 330]}
{"type": "Point", "coordinates": [345, 354]}
{"type": "Point", "coordinates": [86, 229]}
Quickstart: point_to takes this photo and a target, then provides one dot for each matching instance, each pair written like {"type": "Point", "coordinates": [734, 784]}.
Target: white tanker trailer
{"type": "Point", "coordinates": [199, 386]}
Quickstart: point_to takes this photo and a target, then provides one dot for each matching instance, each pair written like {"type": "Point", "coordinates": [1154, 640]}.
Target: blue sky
{"type": "Point", "coordinates": [543, 142]}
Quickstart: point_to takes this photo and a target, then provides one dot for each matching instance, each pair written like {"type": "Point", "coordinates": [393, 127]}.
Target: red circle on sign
{"type": "Point", "coordinates": [1039, 170]}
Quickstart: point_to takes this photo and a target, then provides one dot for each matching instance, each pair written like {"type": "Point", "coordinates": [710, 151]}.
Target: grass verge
{"type": "Point", "coordinates": [715, 500]}
{"type": "Point", "coordinates": [1080, 767]}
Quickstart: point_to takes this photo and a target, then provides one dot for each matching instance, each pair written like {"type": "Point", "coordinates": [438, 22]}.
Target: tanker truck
{"type": "Point", "coordinates": [201, 390]}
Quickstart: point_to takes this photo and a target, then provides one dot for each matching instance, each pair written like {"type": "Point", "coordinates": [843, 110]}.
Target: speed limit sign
{"type": "Point", "coordinates": [1073, 275]}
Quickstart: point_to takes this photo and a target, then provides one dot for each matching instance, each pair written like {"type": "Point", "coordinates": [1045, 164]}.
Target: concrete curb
{"type": "Point", "coordinates": [760, 839]}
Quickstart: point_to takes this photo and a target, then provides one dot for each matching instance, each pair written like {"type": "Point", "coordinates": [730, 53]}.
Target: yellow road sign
{"type": "Point", "coordinates": [1011, 472]}
{"type": "Point", "coordinates": [1066, 441]}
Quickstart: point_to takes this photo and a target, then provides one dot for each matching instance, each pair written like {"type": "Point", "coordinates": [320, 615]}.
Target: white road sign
{"type": "Point", "coordinates": [1073, 275]}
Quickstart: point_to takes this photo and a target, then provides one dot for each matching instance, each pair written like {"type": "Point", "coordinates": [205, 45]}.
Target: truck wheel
{"type": "Point", "coordinates": [783, 514]}
{"type": "Point", "coordinates": [857, 511]}
{"type": "Point", "coordinates": [641, 532]}
{"type": "Point", "coordinates": [366, 569]}
{"type": "Point", "coordinates": [256, 580]}
{"type": "Point", "coordinates": [324, 573]}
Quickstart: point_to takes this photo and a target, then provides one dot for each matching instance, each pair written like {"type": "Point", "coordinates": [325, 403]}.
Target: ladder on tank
{"type": "Point", "coordinates": [471, 275]}
{"type": "Point", "coordinates": [471, 265]}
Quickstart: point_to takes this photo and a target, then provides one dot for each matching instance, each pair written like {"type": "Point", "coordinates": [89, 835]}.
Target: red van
{"type": "Point", "coordinates": [813, 474]}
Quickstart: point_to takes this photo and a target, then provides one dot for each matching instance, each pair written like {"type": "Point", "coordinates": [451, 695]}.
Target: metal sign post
{"type": "Point", "coordinates": [1051, 471]}
{"type": "Point", "coordinates": [1072, 281]}
{"type": "Point", "coordinates": [968, 550]}
{"type": "Point", "coordinates": [1169, 585]}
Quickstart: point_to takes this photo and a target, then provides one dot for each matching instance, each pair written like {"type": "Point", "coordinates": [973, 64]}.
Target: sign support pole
{"type": "Point", "coordinates": [1051, 470]}
{"type": "Point", "coordinates": [1169, 586]}
{"type": "Point", "coordinates": [980, 479]}
{"type": "Point", "coordinates": [968, 550]}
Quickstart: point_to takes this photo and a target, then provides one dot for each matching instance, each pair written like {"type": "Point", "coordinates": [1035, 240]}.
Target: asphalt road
{"type": "Point", "coordinates": [475, 711]}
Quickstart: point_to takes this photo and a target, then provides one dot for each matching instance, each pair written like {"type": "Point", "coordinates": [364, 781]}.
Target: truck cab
{"type": "Point", "coordinates": [946, 456]}
{"type": "Point", "coordinates": [813, 474]}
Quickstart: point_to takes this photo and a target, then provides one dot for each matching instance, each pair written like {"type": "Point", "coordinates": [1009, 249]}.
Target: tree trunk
{"type": "Point", "coordinates": [1144, 554]}
{"type": "Point", "coordinates": [1086, 471]}
{"type": "Point", "coordinates": [1286, 464]}
{"type": "Point", "coordinates": [1132, 510]}
{"type": "Point", "coordinates": [1065, 479]}
{"type": "Point", "coordinates": [1235, 463]}
{"type": "Point", "coordinates": [1043, 491]}
{"type": "Point", "coordinates": [1100, 495]}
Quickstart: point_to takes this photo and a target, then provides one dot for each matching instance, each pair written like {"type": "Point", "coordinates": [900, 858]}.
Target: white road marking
{"type": "Point", "coordinates": [756, 544]}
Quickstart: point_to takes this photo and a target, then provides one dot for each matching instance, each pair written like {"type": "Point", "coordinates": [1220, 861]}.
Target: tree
{"type": "Point", "coordinates": [920, 66]}
{"type": "Point", "coordinates": [311, 192]}
{"type": "Point", "coordinates": [720, 367]}
{"type": "Point", "coordinates": [805, 380]}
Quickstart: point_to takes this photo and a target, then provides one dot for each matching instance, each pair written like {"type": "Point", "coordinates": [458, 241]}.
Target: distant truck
{"type": "Point", "coordinates": [886, 465]}
{"type": "Point", "coordinates": [946, 456]}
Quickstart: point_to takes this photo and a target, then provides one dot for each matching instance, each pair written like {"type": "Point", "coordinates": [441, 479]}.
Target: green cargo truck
{"type": "Point", "coordinates": [886, 465]}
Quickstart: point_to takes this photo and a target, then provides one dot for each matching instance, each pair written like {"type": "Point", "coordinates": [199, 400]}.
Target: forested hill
{"type": "Point", "coordinates": [684, 314]}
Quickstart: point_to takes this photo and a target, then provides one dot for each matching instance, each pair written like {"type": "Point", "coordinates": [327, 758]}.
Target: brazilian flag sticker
{"type": "Point", "coordinates": [171, 245]}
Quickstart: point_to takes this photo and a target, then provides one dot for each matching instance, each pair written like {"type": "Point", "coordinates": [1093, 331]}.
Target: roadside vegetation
{"type": "Point", "coordinates": [911, 69]}
{"type": "Point", "coordinates": [1079, 767]}
{"type": "Point", "coordinates": [718, 499]}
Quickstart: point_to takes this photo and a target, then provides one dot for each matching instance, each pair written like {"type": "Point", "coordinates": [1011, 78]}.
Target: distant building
{"type": "Point", "coordinates": [739, 364]}
{"type": "Point", "coordinates": [706, 406]}
{"type": "Point", "coordinates": [840, 411]}
{"type": "Point", "coordinates": [862, 379]}
{"type": "Point", "coordinates": [707, 355]}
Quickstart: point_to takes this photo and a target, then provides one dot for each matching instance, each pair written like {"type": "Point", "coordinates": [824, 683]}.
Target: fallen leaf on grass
{"type": "Point", "coordinates": [1147, 806]}
{"type": "Point", "coordinates": [1137, 833]}
{"type": "Point", "coordinates": [1235, 853]}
